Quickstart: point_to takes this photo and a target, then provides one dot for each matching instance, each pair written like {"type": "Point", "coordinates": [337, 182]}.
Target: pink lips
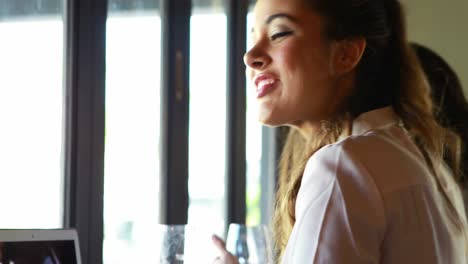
{"type": "Point", "coordinates": [264, 84]}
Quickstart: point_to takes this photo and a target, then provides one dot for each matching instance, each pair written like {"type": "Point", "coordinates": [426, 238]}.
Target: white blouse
{"type": "Point", "coordinates": [370, 198]}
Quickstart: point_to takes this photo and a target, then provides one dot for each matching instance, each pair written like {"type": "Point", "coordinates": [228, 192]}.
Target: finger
{"type": "Point", "coordinates": [219, 243]}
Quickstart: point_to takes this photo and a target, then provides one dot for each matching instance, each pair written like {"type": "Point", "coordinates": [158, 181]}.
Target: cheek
{"type": "Point", "coordinates": [291, 69]}
{"type": "Point", "coordinates": [288, 59]}
{"type": "Point", "coordinates": [299, 61]}
{"type": "Point", "coordinates": [306, 78]}
{"type": "Point", "coordinates": [299, 69]}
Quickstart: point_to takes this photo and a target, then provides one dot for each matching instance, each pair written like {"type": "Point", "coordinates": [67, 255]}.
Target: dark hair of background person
{"type": "Point", "coordinates": [450, 105]}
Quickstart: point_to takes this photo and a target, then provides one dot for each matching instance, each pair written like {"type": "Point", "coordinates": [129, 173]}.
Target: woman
{"type": "Point", "coordinates": [361, 177]}
{"type": "Point", "coordinates": [450, 105]}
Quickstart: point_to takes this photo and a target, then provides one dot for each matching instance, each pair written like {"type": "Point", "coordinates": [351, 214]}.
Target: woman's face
{"type": "Point", "coordinates": [290, 64]}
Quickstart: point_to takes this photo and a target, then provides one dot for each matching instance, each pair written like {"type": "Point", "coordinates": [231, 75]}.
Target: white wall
{"type": "Point", "coordinates": [443, 26]}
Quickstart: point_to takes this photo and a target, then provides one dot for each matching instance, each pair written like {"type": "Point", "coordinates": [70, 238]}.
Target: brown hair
{"type": "Point", "coordinates": [450, 105]}
{"type": "Point", "coordinates": [387, 75]}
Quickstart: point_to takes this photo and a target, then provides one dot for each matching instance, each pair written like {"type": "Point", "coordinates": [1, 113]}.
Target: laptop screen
{"type": "Point", "coordinates": [40, 252]}
{"type": "Point", "coordinates": [54, 246]}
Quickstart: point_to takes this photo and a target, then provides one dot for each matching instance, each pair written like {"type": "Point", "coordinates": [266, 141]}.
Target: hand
{"type": "Point", "coordinates": [224, 257]}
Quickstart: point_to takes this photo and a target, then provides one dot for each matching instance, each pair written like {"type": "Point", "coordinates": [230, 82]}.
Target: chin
{"type": "Point", "coordinates": [269, 113]}
{"type": "Point", "coordinates": [270, 120]}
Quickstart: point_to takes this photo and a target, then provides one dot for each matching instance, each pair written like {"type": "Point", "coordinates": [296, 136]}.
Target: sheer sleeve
{"type": "Point", "coordinates": [339, 212]}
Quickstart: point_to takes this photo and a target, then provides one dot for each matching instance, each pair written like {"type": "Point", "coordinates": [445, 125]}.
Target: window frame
{"type": "Point", "coordinates": [84, 124]}
{"type": "Point", "coordinates": [175, 56]}
{"type": "Point", "coordinates": [84, 84]}
{"type": "Point", "coordinates": [236, 12]}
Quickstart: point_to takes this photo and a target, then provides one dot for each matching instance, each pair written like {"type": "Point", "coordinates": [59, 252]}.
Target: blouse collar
{"type": "Point", "coordinates": [375, 119]}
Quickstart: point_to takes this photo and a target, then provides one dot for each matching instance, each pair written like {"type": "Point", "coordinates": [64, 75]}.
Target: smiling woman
{"type": "Point", "coordinates": [362, 178]}
{"type": "Point", "coordinates": [287, 50]}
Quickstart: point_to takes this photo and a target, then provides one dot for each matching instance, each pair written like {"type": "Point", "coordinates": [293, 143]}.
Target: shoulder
{"type": "Point", "coordinates": [344, 157]}
{"type": "Point", "coordinates": [384, 154]}
{"type": "Point", "coordinates": [337, 182]}
{"type": "Point", "coordinates": [338, 165]}
{"type": "Point", "coordinates": [374, 163]}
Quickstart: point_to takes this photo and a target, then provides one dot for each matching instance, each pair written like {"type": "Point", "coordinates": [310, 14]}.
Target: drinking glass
{"type": "Point", "coordinates": [172, 244]}
{"type": "Point", "coordinates": [188, 244]}
{"type": "Point", "coordinates": [250, 244]}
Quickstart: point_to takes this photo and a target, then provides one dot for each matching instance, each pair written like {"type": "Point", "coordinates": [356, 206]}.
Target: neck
{"type": "Point", "coordinates": [343, 87]}
{"type": "Point", "coordinates": [308, 129]}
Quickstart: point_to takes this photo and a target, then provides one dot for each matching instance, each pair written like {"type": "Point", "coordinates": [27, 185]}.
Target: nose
{"type": "Point", "coordinates": [256, 58]}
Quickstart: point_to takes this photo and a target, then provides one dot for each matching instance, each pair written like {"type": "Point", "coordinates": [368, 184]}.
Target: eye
{"type": "Point", "coordinates": [280, 34]}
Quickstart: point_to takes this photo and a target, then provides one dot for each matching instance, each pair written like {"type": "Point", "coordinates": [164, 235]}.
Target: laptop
{"type": "Point", "coordinates": [39, 246]}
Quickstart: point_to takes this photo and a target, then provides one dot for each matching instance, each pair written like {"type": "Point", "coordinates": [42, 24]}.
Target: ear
{"type": "Point", "coordinates": [347, 54]}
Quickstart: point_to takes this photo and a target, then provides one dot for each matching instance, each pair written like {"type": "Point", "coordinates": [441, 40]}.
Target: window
{"type": "Point", "coordinates": [31, 110]}
{"type": "Point", "coordinates": [253, 148]}
{"type": "Point", "coordinates": [132, 131]}
{"type": "Point", "coordinates": [53, 136]}
{"type": "Point", "coordinates": [261, 156]}
{"type": "Point", "coordinates": [207, 123]}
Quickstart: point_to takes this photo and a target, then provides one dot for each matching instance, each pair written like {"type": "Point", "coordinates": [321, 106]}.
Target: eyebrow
{"type": "Point", "coordinates": [276, 16]}
{"type": "Point", "coordinates": [279, 15]}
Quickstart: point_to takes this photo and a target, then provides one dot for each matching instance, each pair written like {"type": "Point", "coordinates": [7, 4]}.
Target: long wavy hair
{"type": "Point", "coordinates": [450, 104]}
{"type": "Point", "coordinates": [388, 74]}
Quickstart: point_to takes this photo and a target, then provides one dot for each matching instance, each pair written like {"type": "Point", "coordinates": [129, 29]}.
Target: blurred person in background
{"type": "Point", "coordinates": [450, 105]}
